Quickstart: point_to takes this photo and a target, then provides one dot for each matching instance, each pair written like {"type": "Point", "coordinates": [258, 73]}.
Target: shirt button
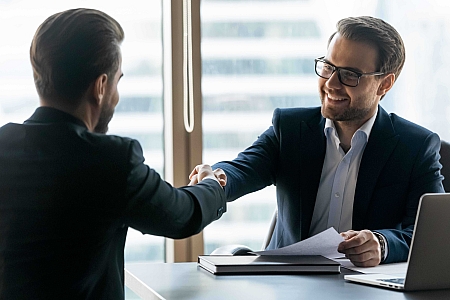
{"type": "Point", "coordinates": [337, 195]}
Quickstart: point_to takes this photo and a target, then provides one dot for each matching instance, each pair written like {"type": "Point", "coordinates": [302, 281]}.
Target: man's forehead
{"type": "Point", "coordinates": [346, 53]}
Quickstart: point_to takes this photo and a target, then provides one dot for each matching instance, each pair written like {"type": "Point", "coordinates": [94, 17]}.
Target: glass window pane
{"type": "Point", "coordinates": [139, 112]}
{"type": "Point", "coordinates": [258, 55]}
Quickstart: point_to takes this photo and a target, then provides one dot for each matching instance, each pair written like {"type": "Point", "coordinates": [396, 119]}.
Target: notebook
{"type": "Point", "coordinates": [267, 264]}
{"type": "Point", "coordinates": [428, 265]}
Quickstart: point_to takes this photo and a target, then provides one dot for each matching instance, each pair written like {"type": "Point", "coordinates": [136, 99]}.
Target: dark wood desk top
{"type": "Point", "coordinates": [188, 281]}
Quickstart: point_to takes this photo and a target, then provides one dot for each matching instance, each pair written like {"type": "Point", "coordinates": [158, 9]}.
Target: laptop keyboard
{"type": "Point", "coordinates": [394, 280]}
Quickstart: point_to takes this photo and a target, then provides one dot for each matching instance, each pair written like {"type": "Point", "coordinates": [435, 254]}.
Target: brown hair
{"type": "Point", "coordinates": [391, 50]}
{"type": "Point", "coordinates": [71, 49]}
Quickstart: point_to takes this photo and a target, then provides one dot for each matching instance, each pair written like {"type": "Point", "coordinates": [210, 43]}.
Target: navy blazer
{"type": "Point", "coordinates": [67, 198]}
{"type": "Point", "coordinates": [399, 164]}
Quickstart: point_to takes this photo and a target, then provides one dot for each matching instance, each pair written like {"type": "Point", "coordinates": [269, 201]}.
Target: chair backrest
{"type": "Point", "coordinates": [273, 222]}
{"type": "Point", "coordinates": [445, 162]}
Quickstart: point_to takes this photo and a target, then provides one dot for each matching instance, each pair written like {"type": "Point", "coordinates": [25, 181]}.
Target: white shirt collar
{"type": "Point", "coordinates": [331, 132]}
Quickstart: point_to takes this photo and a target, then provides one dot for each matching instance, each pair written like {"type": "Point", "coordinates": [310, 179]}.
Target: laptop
{"type": "Point", "coordinates": [428, 265]}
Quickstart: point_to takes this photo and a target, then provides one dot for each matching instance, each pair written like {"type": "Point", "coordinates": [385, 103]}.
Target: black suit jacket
{"type": "Point", "coordinates": [67, 198]}
{"type": "Point", "coordinates": [399, 164]}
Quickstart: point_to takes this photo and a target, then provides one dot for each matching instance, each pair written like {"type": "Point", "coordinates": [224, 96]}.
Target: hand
{"type": "Point", "coordinates": [361, 247]}
{"type": "Point", "coordinates": [201, 172]}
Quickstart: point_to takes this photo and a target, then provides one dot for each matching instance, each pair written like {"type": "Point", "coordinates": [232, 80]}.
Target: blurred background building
{"type": "Point", "coordinates": [257, 55]}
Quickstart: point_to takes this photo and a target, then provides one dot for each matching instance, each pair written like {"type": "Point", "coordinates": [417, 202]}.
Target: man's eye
{"type": "Point", "coordinates": [349, 74]}
{"type": "Point", "coordinates": [327, 67]}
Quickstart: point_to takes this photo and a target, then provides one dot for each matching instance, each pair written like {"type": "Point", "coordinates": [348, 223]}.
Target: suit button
{"type": "Point", "coordinates": [220, 211]}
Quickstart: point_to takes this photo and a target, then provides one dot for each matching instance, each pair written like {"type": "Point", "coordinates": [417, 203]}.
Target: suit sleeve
{"type": "Point", "coordinates": [425, 178]}
{"type": "Point", "coordinates": [155, 207]}
{"type": "Point", "coordinates": [254, 168]}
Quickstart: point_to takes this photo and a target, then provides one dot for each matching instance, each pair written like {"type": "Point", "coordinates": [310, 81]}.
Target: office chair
{"type": "Point", "coordinates": [445, 162]}
{"type": "Point", "coordinates": [244, 250]}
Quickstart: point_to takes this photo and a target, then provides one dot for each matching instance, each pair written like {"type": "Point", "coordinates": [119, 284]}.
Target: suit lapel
{"type": "Point", "coordinates": [382, 141]}
{"type": "Point", "coordinates": [312, 153]}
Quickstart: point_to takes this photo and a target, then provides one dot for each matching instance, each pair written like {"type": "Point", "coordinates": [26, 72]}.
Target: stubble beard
{"type": "Point", "coordinates": [348, 114]}
{"type": "Point", "coordinates": [106, 115]}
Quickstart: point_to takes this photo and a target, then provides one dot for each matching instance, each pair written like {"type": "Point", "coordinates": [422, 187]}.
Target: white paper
{"type": "Point", "coordinates": [324, 243]}
{"type": "Point", "coordinates": [391, 269]}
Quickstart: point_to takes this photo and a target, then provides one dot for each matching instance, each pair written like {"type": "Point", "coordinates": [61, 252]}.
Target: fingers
{"type": "Point", "coordinates": [221, 176]}
{"type": "Point", "coordinates": [203, 171]}
{"type": "Point", "coordinates": [194, 171]}
{"type": "Point", "coordinates": [354, 239]}
{"type": "Point", "coordinates": [365, 264]}
{"type": "Point", "coordinates": [361, 247]}
{"type": "Point", "coordinates": [194, 179]}
{"type": "Point", "coordinates": [349, 234]}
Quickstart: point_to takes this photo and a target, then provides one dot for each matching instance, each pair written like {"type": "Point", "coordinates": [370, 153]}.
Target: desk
{"type": "Point", "coordinates": [188, 281]}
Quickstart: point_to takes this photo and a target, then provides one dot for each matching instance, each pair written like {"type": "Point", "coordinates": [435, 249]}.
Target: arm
{"type": "Point", "coordinates": [363, 247]}
{"type": "Point", "coordinates": [155, 207]}
{"type": "Point", "coordinates": [254, 168]}
{"type": "Point", "coordinates": [425, 178]}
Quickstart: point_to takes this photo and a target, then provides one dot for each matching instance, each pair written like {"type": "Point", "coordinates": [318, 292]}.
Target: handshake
{"type": "Point", "coordinates": [202, 172]}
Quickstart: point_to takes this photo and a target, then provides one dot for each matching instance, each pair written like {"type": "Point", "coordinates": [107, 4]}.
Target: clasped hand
{"type": "Point", "coordinates": [362, 248]}
{"type": "Point", "coordinates": [204, 171]}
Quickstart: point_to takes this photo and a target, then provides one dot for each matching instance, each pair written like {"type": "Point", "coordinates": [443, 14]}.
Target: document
{"type": "Point", "coordinates": [324, 243]}
{"type": "Point", "coordinates": [281, 264]}
{"type": "Point", "coordinates": [393, 268]}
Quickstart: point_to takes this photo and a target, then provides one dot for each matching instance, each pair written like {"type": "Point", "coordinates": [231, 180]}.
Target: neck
{"type": "Point", "coordinates": [345, 131]}
{"type": "Point", "coordinates": [83, 111]}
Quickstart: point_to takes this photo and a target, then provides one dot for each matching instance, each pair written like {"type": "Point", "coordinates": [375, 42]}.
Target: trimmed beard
{"type": "Point", "coordinates": [349, 114]}
{"type": "Point", "coordinates": [103, 121]}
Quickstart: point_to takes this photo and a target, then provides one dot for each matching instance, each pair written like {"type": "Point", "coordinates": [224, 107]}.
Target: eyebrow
{"type": "Point", "coordinates": [347, 68]}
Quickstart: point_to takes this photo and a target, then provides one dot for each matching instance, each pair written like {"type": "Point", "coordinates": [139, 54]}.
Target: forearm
{"type": "Point", "coordinates": [154, 206]}
{"type": "Point", "coordinates": [254, 168]}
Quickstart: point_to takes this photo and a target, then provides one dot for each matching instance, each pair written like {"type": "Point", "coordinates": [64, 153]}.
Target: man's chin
{"type": "Point", "coordinates": [101, 130]}
{"type": "Point", "coordinates": [103, 122]}
{"type": "Point", "coordinates": [102, 127]}
{"type": "Point", "coordinates": [334, 115]}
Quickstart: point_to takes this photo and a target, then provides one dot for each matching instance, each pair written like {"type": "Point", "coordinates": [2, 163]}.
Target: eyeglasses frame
{"type": "Point", "coordinates": [336, 69]}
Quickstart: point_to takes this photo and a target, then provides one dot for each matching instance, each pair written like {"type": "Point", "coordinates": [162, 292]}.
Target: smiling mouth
{"type": "Point", "coordinates": [336, 98]}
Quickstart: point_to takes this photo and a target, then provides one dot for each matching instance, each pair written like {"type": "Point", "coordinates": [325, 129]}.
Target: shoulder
{"type": "Point", "coordinates": [407, 128]}
{"type": "Point", "coordinates": [303, 113]}
{"type": "Point", "coordinates": [297, 115]}
{"type": "Point", "coordinates": [113, 148]}
{"type": "Point", "coordinates": [412, 137]}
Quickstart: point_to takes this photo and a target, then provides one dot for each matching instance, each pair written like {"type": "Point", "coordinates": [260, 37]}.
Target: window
{"type": "Point", "coordinates": [253, 62]}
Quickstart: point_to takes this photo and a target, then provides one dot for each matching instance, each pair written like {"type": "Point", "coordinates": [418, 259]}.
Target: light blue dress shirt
{"type": "Point", "coordinates": [334, 201]}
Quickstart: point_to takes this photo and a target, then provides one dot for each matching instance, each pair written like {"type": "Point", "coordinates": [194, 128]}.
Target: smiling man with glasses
{"type": "Point", "coordinates": [347, 164]}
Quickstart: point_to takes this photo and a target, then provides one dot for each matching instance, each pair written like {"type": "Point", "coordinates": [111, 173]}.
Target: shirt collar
{"type": "Point", "coordinates": [331, 132]}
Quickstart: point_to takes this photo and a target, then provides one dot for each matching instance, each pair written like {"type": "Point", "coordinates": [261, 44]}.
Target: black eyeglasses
{"type": "Point", "coordinates": [346, 77]}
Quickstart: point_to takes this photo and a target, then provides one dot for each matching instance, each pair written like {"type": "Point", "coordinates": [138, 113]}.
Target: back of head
{"type": "Point", "coordinates": [70, 50]}
{"type": "Point", "coordinates": [391, 49]}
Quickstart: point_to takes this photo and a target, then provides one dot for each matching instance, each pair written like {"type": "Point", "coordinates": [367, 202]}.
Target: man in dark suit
{"type": "Point", "coordinates": [347, 164]}
{"type": "Point", "coordinates": [68, 192]}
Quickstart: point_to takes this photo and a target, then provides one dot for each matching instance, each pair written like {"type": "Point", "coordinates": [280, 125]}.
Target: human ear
{"type": "Point", "coordinates": [386, 84]}
{"type": "Point", "coordinates": [100, 88]}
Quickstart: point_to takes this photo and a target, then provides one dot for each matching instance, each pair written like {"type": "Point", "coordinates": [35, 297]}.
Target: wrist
{"type": "Point", "coordinates": [382, 242]}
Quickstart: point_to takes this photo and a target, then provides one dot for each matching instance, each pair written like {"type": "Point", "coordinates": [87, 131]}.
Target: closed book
{"type": "Point", "coordinates": [267, 264]}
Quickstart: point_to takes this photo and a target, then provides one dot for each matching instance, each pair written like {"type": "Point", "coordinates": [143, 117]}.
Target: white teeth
{"type": "Point", "coordinates": [335, 99]}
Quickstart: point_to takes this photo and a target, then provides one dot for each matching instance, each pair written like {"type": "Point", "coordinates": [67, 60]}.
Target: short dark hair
{"type": "Point", "coordinates": [391, 49]}
{"type": "Point", "coordinates": [71, 49]}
